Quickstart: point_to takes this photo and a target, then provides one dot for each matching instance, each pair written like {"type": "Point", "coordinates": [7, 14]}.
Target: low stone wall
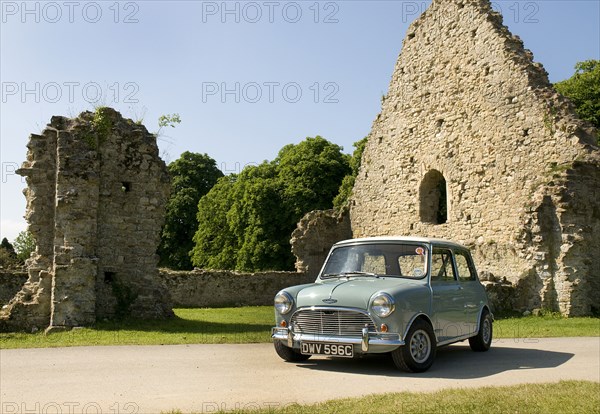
{"type": "Point", "coordinates": [10, 284]}
{"type": "Point", "coordinates": [220, 288]}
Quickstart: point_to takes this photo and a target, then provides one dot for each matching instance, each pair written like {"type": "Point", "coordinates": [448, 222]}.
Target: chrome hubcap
{"type": "Point", "coordinates": [487, 331]}
{"type": "Point", "coordinates": [420, 346]}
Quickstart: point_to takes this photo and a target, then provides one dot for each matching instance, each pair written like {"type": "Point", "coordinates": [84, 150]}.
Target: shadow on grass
{"type": "Point", "coordinates": [177, 324]}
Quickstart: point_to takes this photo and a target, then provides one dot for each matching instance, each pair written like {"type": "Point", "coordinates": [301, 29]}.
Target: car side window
{"type": "Point", "coordinates": [464, 266]}
{"type": "Point", "coordinates": [441, 266]}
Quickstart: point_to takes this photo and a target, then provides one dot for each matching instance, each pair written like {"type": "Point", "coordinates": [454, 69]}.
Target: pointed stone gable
{"type": "Point", "coordinates": [473, 144]}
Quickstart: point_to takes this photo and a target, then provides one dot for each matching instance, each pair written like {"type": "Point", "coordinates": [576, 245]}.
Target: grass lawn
{"type": "Point", "coordinates": [189, 326]}
{"type": "Point", "coordinates": [252, 325]}
{"type": "Point", "coordinates": [564, 397]}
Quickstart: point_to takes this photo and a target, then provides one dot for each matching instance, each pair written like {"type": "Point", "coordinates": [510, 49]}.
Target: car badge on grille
{"type": "Point", "coordinates": [330, 301]}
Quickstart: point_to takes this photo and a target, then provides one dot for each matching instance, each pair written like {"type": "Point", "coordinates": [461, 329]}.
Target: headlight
{"type": "Point", "coordinates": [283, 302]}
{"type": "Point", "coordinates": [383, 305]}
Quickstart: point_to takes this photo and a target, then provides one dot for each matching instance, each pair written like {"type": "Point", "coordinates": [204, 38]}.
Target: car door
{"type": "Point", "coordinates": [447, 297]}
{"type": "Point", "coordinates": [472, 290]}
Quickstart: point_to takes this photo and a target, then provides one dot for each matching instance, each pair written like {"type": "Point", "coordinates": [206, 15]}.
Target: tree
{"type": "Point", "coordinates": [311, 173]}
{"type": "Point", "coordinates": [24, 245]}
{"type": "Point", "coordinates": [8, 256]}
{"type": "Point", "coordinates": [583, 89]}
{"type": "Point", "coordinates": [251, 216]}
{"type": "Point", "coordinates": [215, 245]}
{"type": "Point", "coordinates": [345, 190]}
{"type": "Point", "coordinates": [6, 245]}
{"type": "Point", "coordinates": [260, 220]}
{"type": "Point", "coordinates": [192, 176]}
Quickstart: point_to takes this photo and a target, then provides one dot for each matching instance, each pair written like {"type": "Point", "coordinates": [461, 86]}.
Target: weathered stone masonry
{"type": "Point", "coordinates": [473, 144]}
{"type": "Point", "coordinates": [95, 204]}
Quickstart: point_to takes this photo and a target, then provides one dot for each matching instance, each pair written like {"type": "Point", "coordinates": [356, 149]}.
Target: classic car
{"type": "Point", "coordinates": [401, 295]}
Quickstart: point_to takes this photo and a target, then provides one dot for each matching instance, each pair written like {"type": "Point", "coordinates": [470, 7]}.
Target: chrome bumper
{"type": "Point", "coordinates": [366, 340]}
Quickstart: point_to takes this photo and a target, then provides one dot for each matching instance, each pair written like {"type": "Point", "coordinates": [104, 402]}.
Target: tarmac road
{"type": "Point", "coordinates": [203, 378]}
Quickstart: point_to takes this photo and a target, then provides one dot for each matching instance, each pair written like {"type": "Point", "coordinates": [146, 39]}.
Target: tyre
{"type": "Point", "coordinates": [418, 353]}
{"type": "Point", "coordinates": [288, 354]}
{"type": "Point", "coordinates": [483, 340]}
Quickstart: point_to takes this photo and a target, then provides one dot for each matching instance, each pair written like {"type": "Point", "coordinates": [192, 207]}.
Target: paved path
{"type": "Point", "coordinates": [202, 378]}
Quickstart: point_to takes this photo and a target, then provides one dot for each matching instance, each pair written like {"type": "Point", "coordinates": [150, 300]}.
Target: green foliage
{"type": "Point", "coordinates": [101, 122]}
{"type": "Point", "coordinates": [101, 125]}
{"type": "Point", "coordinates": [583, 89]}
{"type": "Point", "coordinates": [167, 120]}
{"type": "Point", "coordinates": [215, 246]}
{"type": "Point", "coordinates": [24, 245]}
{"type": "Point", "coordinates": [345, 190]}
{"type": "Point", "coordinates": [192, 176]}
{"type": "Point", "coordinates": [8, 256]}
{"type": "Point", "coordinates": [8, 260]}
{"type": "Point", "coordinates": [5, 244]}
{"type": "Point", "coordinates": [245, 221]}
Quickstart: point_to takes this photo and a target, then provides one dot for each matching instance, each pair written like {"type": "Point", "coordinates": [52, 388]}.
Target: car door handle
{"type": "Point", "coordinates": [470, 306]}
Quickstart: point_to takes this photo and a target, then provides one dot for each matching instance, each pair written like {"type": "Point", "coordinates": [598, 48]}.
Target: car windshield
{"type": "Point", "coordinates": [385, 259]}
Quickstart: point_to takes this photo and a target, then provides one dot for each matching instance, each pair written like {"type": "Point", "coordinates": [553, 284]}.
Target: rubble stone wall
{"type": "Point", "coordinates": [474, 145]}
{"type": "Point", "coordinates": [10, 284]}
{"type": "Point", "coordinates": [220, 288]}
{"type": "Point", "coordinates": [95, 206]}
{"type": "Point", "coordinates": [312, 239]}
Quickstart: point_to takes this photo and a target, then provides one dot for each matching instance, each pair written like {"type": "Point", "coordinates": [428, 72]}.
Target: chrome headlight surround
{"type": "Point", "coordinates": [283, 302]}
{"type": "Point", "coordinates": [383, 305]}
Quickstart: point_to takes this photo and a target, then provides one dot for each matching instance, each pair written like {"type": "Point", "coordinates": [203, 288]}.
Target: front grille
{"type": "Point", "coordinates": [331, 322]}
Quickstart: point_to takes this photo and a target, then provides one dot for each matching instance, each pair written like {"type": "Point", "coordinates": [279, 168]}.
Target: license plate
{"type": "Point", "coordinates": [332, 349]}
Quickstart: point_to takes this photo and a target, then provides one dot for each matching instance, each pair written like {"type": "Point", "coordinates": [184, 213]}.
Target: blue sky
{"type": "Point", "coordinates": [245, 77]}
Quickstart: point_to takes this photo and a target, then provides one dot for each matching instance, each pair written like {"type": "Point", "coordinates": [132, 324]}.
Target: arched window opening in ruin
{"type": "Point", "coordinates": [433, 199]}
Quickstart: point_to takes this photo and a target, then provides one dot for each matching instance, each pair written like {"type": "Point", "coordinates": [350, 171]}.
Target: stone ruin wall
{"type": "Point", "coordinates": [314, 235]}
{"type": "Point", "coordinates": [522, 172]}
{"type": "Point", "coordinates": [95, 205]}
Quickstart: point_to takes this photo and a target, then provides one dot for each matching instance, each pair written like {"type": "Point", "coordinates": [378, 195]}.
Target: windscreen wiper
{"type": "Point", "coordinates": [348, 274]}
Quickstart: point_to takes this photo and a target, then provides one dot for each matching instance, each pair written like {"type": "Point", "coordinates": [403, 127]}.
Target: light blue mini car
{"type": "Point", "coordinates": [402, 295]}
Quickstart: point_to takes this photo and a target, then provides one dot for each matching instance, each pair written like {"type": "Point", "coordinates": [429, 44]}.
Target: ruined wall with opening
{"type": "Point", "coordinates": [95, 205]}
{"type": "Point", "coordinates": [471, 125]}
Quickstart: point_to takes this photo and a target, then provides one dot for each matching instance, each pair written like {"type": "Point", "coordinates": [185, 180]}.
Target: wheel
{"type": "Point", "coordinates": [483, 340]}
{"type": "Point", "coordinates": [418, 353]}
{"type": "Point", "coordinates": [288, 354]}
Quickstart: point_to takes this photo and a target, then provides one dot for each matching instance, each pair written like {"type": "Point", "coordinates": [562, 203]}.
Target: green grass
{"type": "Point", "coordinates": [564, 397]}
{"type": "Point", "coordinates": [189, 326]}
{"type": "Point", "coordinates": [547, 326]}
{"type": "Point", "coordinates": [252, 325]}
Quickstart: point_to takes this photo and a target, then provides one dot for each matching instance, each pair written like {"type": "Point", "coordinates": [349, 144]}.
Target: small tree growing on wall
{"type": "Point", "coordinates": [24, 245]}
{"type": "Point", "coordinates": [583, 89]}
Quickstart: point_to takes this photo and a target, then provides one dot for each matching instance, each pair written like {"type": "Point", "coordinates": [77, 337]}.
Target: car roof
{"type": "Point", "coordinates": [394, 239]}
